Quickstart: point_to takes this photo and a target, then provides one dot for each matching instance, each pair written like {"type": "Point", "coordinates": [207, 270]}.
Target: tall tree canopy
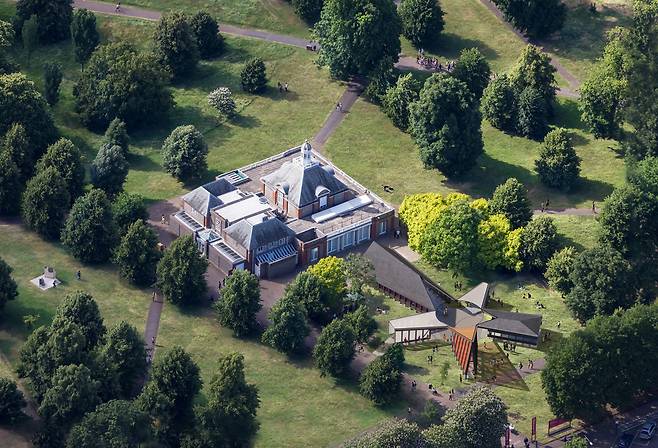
{"type": "Point", "coordinates": [45, 203]}
{"type": "Point", "coordinates": [422, 21]}
{"type": "Point", "coordinates": [109, 169]}
{"type": "Point", "coordinates": [239, 303]}
{"type": "Point", "coordinates": [288, 326]}
{"type": "Point", "coordinates": [176, 44]}
{"type": "Point", "coordinates": [181, 272]}
{"type": "Point", "coordinates": [127, 208]}
{"type": "Point", "coordinates": [124, 351]}
{"type": "Point", "coordinates": [8, 287]}
{"type": "Point", "coordinates": [137, 254]}
{"type": "Point", "coordinates": [473, 70]}
{"type": "Point", "coordinates": [533, 69]}
{"type": "Point", "coordinates": [206, 32]}
{"type": "Point", "coordinates": [537, 18]}
{"type": "Point", "coordinates": [66, 158]}
{"type": "Point", "coordinates": [85, 35]}
{"type": "Point", "coordinates": [184, 153]}
{"type": "Point", "coordinates": [558, 165]}
{"type": "Point", "coordinates": [53, 17]}
{"type": "Point", "coordinates": [335, 348]}
{"type": "Point", "coordinates": [511, 199]}
{"type": "Point", "coordinates": [11, 187]}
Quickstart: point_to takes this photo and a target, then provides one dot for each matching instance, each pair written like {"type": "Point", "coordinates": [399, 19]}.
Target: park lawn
{"type": "Point", "coordinates": [266, 124]}
{"type": "Point", "coordinates": [393, 310]}
{"type": "Point", "coordinates": [368, 147]}
{"type": "Point", "coordinates": [582, 232]}
{"type": "Point", "coordinates": [298, 406]}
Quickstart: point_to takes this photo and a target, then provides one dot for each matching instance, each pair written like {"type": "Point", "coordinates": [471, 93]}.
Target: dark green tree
{"type": "Point", "coordinates": [116, 423]}
{"type": "Point", "coordinates": [308, 10]}
{"type": "Point", "coordinates": [380, 380]}
{"type": "Point", "coordinates": [239, 303]}
{"type": "Point", "coordinates": [536, 18]}
{"type": "Point", "coordinates": [288, 326]}
{"type": "Point", "coordinates": [127, 208]}
{"type": "Point", "coordinates": [20, 151]}
{"type": "Point", "coordinates": [499, 104]}
{"type": "Point", "coordinates": [533, 69]}
{"type": "Point", "coordinates": [90, 233]}
{"type": "Point", "coordinates": [30, 36]}
{"type": "Point", "coordinates": [362, 323]}
{"type": "Point", "coordinates": [176, 44]}
{"type": "Point", "coordinates": [356, 35]}
{"type": "Point", "coordinates": [66, 158]}
{"type": "Point", "coordinates": [52, 78]}
{"type": "Point", "coordinates": [109, 170]}
{"type": "Point", "coordinates": [558, 165]}
{"type": "Point", "coordinates": [335, 348]}
{"type": "Point", "coordinates": [229, 416]}
{"type": "Point", "coordinates": [539, 241]}
{"type": "Point", "coordinates": [309, 290]}
{"type": "Point", "coordinates": [124, 349]}
{"type": "Point", "coordinates": [120, 82]}
{"type": "Point", "coordinates": [53, 17]}
{"type": "Point", "coordinates": [644, 175]}
{"type": "Point", "coordinates": [253, 77]}
{"type": "Point", "coordinates": [559, 269]}
{"type": "Point", "coordinates": [11, 187]}
{"type": "Point", "coordinates": [137, 254]}
{"type": "Point", "coordinates": [473, 70]}
{"type": "Point", "coordinates": [380, 79]}
{"type": "Point", "coordinates": [184, 153]}
{"type": "Point", "coordinates": [445, 123]}
{"type": "Point", "coordinates": [206, 32]}
{"type": "Point", "coordinates": [398, 99]}
{"type": "Point", "coordinates": [7, 39]}
{"type": "Point", "coordinates": [81, 309]}
{"type": "Point", "coordinates": [181, 272]}
{"type": "Point", "coordinates": [116, 134]}
{"type": "Point", "coordinates": [45, 203]}
{"type": "Point", "coordinates": [511, 199]}
{"type": "Point", "coordinates": [601, 102]}
{"type": "Point", "coordinates": [72, 394]}
{"type": "Point", "coordinates": [8, 287]}
{"type": "Point", "coordinates": [11, 402]}
{"type": "Point", "coordinates": [422, 21]}
{"type": "Point", "coordinates": [532, 114]}
{"type": "Point", "coordinates": [85, 35]}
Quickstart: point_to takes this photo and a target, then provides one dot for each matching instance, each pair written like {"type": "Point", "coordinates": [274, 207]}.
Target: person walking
{"type": "Point", "coordinates": [118, 7]}
{"type": "Point", "coordinates": [594, 207]}
{"type": "Point", "coordinates": [78, 275]}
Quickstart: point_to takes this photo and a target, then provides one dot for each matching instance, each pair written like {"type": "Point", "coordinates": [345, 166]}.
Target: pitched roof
{"type": "Point", "coordinates": [304, 183]}
{"type": "Point", "coordinates": [201, 200]}
{"type": "Point", "coordinates": [258, 231]}
{"type": "Point", "coordinates": [477, 296]}
{"type": "Point", "coordinates": [455, 318]}
{"type": "Point", "coordinates": [219, 187]}
{"type": "Point", "coordinates": [516, 323]}
{"type": "Point", "coordinates": [397, 275]}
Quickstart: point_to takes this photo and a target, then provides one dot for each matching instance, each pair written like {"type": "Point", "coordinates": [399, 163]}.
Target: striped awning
{"type": "Point", "coordinates": [277, 254]}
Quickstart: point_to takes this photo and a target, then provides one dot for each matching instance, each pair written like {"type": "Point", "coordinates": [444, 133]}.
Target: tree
{"type": "Point", "coordinates": [499, 104]}
{"type": "Point", "coordinates": [34, 362]}
{"type": "Point", "coordinates": [331, 273]}
{"type": "Point", "coordinates": [124, 350]}
{"type": "Point", "coordinates": [81, 309]}
{"type": "Point", "coordinates": [137, 254]}
{"type": "Point", "coordinates": [359, 272]}
{"type": "Point", "coordinates": [559, 269]}
{"type": "Point", "coordinates": [393, 432]}
{"type": "Point", "coordinates": [181, 272]}
{"type": "Point", "coordinates": [85, 35]}
{"type": "Point", "coordinates": [176, 44]}
{"type": "Point", "coordinates": [206, 31]}
{"type": "Point", "coordinates": [473, 70]}
{"type": "Point", "coordinates": [222, 100]}
{"type": "Point", "coordinates": [7, 39]}
{"type": "Point", "coordinates": [479, 418]}
{"type": "Point", "coordinates": [229, 417]}
{"type": "Point", "coordinates": [536, 18]}
{"type": "Point", "coordinates": [311, 292]}
{"type": "Point", "coordinates": [127, 208]}
{"type": "Point", "coordinates": [418, 211]}
{"type": "Point", "coordinates": [398, 99]}
{"type": "Point", "coordinates": [601, 103]}
{"type": "Point", "coordinates": [380, 380]}
{"type": "Point", "coordinates": [8, 287]}
{"type": "Point", "coordinates": [109, 170]}
{"type": "Point", "coordinates": [184, 153]}
{"type": "Point", "coordinates": [335, 348]}
{"type": "Point", "coordinates": [73, 393]}
{"type": "Point", "coordinates": [451, 241]}
{"type": "Point", "coordinates": [494, 244]}
{"type": "Point", "coordinates": [644, 175]}
{"type": "Point", "coordinates": [539, 241]}
{"type": "Point", "coordinates": [22, 104]}
{"type": "Point", "coordinates": [117, 135]}
{"type": "Point", "coordinates": [53, 18]}
{"type": "Point", "coordinates": [533, 69]}
{"type": "Point", "coordinates": [253, 77]}
{"type": "Point", "coordinates": [601, 283]}
{"type": "Point", "coordinates": [288, 326]}
{"type": "Point", "coordinates": [45, 203]}
{"type": "Point", "coordinates": [362, 323]}
{"type": "Point", "coordinates": [52, 78]}
{"type": "Point", "coordinates": [119, 82]}
{"type": "Point", "coordinates": [66, 158]}
{"type": "Point", "coordinates": [308, 10]}
{"type": "Point", "coordinates": [356, 35]}
{"type": "Point", "coordinates": [11, 402]}
{"type": "Point", "coordinates": [112, 424]}
{"type": "Point", "coordinates": [19, 150]}
{"type": "Point", "coordinates": [511, 199]}
{"type": "Point", "coordinates": [422, 21]}
{"type": "Point", "coordinates": [576, 442]}
{"type": "Point", "coordinates": [532, 115]}
{"type": "Point", "coordinates": [380, 79]}
{"type": "Point", "coordinates": [10, 184]}
{"type": "Point", "coordinates": [558, 165]}
{"type": "Point", "coordinates": [30, 36]}
{"type": "Point", "coordinates": [445, 123]}
{"type": "Point", "coordinates": [239, 303]}
{"type": "Point", "coordinates": [90, 233]}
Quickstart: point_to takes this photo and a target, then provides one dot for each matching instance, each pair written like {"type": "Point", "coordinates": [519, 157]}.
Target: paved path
{"type": "Point", "coordinates": [336, 117]}
{"type": "Point", "coordinates": [567, 211]}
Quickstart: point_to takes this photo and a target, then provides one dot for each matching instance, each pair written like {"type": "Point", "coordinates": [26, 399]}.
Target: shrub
{"type": "Point", "coordinates": [184, 153]}
{"type": "Point", "coordinates": [222, 100]}
{"type": "Point", "coordinates": [253, 77]}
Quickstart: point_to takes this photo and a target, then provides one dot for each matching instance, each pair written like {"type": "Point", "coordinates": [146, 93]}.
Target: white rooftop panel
{"type": "Point", "coordinates": [249, 206]}
{"type": "Point", "coordinates": [340, 209]}
{"type": "Point", "coordinates": [231, 197]}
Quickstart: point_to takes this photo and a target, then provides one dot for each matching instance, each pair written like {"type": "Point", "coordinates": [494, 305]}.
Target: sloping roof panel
{"type": "Point", "coordinates": [477, 296]}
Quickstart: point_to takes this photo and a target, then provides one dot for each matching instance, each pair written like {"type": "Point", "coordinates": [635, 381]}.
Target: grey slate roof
{"type": "Point", "coordinates": [510, 322]}
{"type": "Point", "coordinates": [303, 183]}
{"type": "Point", "coordinates": [477, 296]}
{"type": "Point", "coordinates": [201, 200]}
{"type": "Point", "coordinates": [397, 275]}
{"type": "Point", "coordinates": [251, 236]}
{"type": "Point", "coordinates": [219, 187]}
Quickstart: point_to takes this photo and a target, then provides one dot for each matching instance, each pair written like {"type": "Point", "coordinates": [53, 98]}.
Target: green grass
{"type": "Point", "coordinates": [579, 231]}
{"type": "Point", "coordinates": [368, 147]}
{"type": "Point", "coordinates": [266, 124]}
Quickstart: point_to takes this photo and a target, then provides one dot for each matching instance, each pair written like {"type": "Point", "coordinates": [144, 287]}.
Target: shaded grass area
{"type": "Point", "coordinates": [368, 147]}
{"type": "Point", "coordinates": [582, 232]}
{"type": "Point", "coordinates": [265, 125]}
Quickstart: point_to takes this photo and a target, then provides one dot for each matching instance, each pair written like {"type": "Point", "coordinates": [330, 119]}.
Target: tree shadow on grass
{"type": "Point", "coordinates": [450, 45]}
{"type": "Point", "coordinates": [143, 163]}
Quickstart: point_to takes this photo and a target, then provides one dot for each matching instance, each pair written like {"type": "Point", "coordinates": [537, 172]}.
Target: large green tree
{"type": "Point", "coordinates": [66, 158]}
{"type": "Point", "coordinates": [137, 254]}
{"type": "Point", "coordinates": [85, 35]}
{"type": "Point", "coordinates": [184, 153]}
{"type": "Point", "coordinates": [355, 35]}
{"type": "Point", "coordinates": [20, 151]}
{"type": "Point", "coordinates": [644, 175]}
{"type": "Point", "coordinates": [176, 44]}
{"type": "Point", "coordinates": [532, 114]}
{"type": "Point", "coordinates": [422, 21]}
{"type": "Point", "coordinates": [120, 82]}
{"type": "Point", "coordinates": [363, 324]}
{"type": "Point", "coordinates": [536, 18]}
{"type": "Point", "coordinates": [239, 303]}
{"type": "Point", "coordinates": [499, 104]}
{"type": "Point", "coordinates": [539, 241]}
{"type": "Point", "coordinates": [473, 70]}
{"type": "Point", "coordinates": [124, 350]}
{"type": "Point", "coordinates": [127, 208]}
{"type": "Point", "coordinates": [109, 170]}
{"type": "Point", "coordinates": [53, 17]}
{"type": "Point", "coordinates": [206, 32]}
{"type": "Point", "coordinates": [308, 10]}
{"type": "Point", "coordinates": [81, 309]}
{"type": "Point", "coordinates": [181, 272]}
{"type": "Point", "coordinates": [288, 326]}
{"type": "Point", "coordinates": [312, 293]}
{"type": "Point", "coordinates": [395, 432]}
{"type": "Point", "coordinates": [380, 380]}
{"type": "Point", "coordinates": [511, 199]}
{"type": "Point", "coordinates": [533, 69]}
{"type": "Point", "coordinates": [558, 165]}
{"type": "Point", "coordinates": [52, 79]}
{"type": "Point", "coordinates": [11, 187]}
{"type": "Point", "coordinates": [8, 287]}
{"type": "Point", "coordinates": [253, 76]}
{"type": "Point", "coordinates": [335, 348]}
{"type": "Point", "coordinates": [445, 123]}
{"type": "Point", "coordinates": [559, 268]}
{"type": "Point", "coordinates": [11, 402]}
{"type": "Point", "coordinates": [45, 203]}
{"type": "Point", "coordinates": [398, 99]}
{"type": "Point", "coordinates": [90, 233]}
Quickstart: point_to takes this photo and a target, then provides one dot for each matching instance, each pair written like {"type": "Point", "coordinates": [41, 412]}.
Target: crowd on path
{"type": "Point", "coordinates": [430, 63]}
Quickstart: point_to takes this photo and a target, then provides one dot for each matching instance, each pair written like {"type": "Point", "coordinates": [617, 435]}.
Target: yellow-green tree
{"type": "Point", "coordinates": [497, 247]}
{"type": "Point", "coordinates": [331, 272]}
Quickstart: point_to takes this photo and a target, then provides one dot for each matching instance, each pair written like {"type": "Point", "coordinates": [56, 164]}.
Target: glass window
{"type": "Point", "coordinates": [332, 245]}
{"type": "Point", "coordinates": [323, 201]}
{"type": "Point", "coordinates": [381, 227]}
{"type": "Point", "coordinates": [348, 239]}
{"type": "Point", "coordinates": [315, 253]}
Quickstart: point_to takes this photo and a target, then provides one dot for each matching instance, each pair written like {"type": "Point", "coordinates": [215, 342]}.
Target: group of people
{"type": "Point", "coordinates": [282, 87]}
{"type": "Point", "coordinates": [433, 63]}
